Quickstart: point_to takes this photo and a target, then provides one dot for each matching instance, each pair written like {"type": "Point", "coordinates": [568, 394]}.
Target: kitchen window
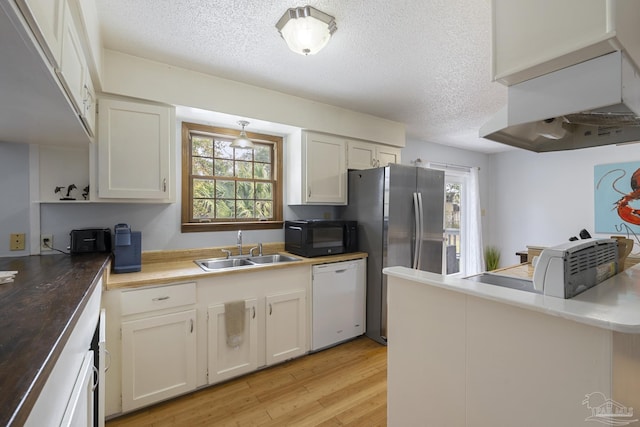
{"type": "Point", "coordinates": [226, 188]}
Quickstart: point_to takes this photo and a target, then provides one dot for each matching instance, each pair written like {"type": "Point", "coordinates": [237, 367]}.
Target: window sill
{"type": "Point", "coordinates": [197, 227]}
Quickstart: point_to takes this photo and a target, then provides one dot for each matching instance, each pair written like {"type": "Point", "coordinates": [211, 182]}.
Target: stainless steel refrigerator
{"type": "Point", "coordinates": [400, 214]}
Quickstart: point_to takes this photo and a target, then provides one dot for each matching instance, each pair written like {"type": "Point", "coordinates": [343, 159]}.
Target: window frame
{"type": "Point", "coordinates": [187, 191]}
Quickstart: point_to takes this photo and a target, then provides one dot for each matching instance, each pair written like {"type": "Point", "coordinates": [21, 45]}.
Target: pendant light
{"type": "Point", "coordinates": [306, 30]}
{"type": "Point", "coordinates": [242, 141]}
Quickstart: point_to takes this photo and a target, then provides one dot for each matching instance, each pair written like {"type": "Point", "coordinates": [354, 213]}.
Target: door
{"type": "Point", "coordinates": [158, 358]}
{"type": "Point", "coordinates": [134, 150]}
{"type": "Point", "coordinates": [226, 362]}
{"type": "Point", "coordinates": [79, 411]}
{"type": "Point", "coordinates": [286, 326]}
{"type": "Point", "coordinates": [338, 302]}
{"type": "Point", "coordinates": [326, 169]}
{"type": "Point", "coordinates": [431, 187]}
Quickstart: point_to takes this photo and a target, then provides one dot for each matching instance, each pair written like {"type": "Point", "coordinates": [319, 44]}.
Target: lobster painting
{"type": "Point", "coordinates": [625, 211]}
{"type": "Point", "coordinates": [617, 198]}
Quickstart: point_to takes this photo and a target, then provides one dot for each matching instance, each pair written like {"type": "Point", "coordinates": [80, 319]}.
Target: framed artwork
{"type": "Point", "coordinates": [617, 198]}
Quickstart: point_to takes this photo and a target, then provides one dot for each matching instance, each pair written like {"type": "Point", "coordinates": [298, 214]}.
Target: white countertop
{"type": "Point", "coordinates": [613, 304]}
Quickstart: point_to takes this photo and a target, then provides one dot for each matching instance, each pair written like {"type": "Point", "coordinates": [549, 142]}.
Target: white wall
{"type": "Point", "coordinates": [14, 193]}
{"type": "Point", "coordinates": [543, 199]}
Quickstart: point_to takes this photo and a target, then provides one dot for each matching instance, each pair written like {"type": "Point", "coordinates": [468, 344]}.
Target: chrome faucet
{"type": "Point", "coordinates": [259, 248]}
{"type": "Point", "coordinates": [239, 242]}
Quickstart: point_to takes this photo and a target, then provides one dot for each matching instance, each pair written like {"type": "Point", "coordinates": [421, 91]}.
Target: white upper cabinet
{"type": "Point", "coordinates": [135, 150]}
{"type": "Point", "coordinates": [366, 155]}
{"type": "Point", "coordinates": [317, 170]}
{"type": "Point", "coordinates": [535, 37]}
{"type": "Point", "coordinates": [73, 69]}
{"type": "Point", "coordinates": [45, 18]}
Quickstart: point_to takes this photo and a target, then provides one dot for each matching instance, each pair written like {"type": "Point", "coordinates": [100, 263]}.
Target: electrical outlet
{"type": "Point", "coordinates": [16, 242]}
{"type": "Point", "coordinates": [46, 242]}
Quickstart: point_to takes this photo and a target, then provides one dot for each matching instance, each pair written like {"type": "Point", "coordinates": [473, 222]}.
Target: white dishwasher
{"type": "Point", "coordinates": [339, 302]}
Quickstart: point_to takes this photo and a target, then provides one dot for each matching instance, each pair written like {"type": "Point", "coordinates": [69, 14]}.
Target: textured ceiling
{"type": "Point", "coordinates": [425, 63]}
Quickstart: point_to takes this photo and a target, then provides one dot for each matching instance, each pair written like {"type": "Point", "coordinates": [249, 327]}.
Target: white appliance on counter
{"type": "Point", "coordinates": [571, 268]}
{"type": "Point", "coordinates": [339, 300]}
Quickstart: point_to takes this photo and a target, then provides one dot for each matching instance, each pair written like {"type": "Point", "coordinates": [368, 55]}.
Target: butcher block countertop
{"type": "Point", "coordinates": [38, 311]}
{"type": "Point", "coordinates": [172, 266]}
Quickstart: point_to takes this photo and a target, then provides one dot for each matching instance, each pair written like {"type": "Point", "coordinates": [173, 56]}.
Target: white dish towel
{"type": "Point", "coordinates": [234, 313]}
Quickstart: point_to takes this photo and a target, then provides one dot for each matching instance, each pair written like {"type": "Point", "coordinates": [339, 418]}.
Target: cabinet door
{"type": "Point", "coordinates": [225, 362]}
{"type": "Point", "coordinates": [79, 411]}
{"type": "Point", "coordinates": [387, 155]}
{"type": "Point", "coordinates": [286, 326]}
{"type": "Point", "coordinates": [89, 106]}
{"type": "Point", "coordinates": [134, 150]}
{"type": "Point", "coordinates": [158, 358]}
{"type": "Point", "coordinates": [73, 69]}
{"type": "Point", "coordinates": [326, 170]}
{"type": "Point", "coordinates": [360, 155]}
{"type": "Point", "coordinates": [45, 17]}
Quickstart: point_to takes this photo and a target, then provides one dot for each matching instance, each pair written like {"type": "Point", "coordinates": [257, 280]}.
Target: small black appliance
{"type": "Point", "coordinates": [318, 237]}
{"type": "Point", "coordinates": [89, 240]}
{"type": "Point", "coordinates": [127, 244]}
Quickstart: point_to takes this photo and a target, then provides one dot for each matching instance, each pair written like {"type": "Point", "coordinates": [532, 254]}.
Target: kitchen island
{"type": "Point", "coordinates": [463, 353]}
{"type": "Point", "coordinates": [38, 312]}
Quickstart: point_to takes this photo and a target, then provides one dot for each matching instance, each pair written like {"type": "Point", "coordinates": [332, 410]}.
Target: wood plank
{"type": "Point", "coordinates": [343, 385]}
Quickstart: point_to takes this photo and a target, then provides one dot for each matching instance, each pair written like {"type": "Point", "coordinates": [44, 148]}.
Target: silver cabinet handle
{"type": "Point", "coordinates": [161, 298]}
{"type": "Point", "coordinates": [253, 316]}
{"type": "Point", "coordinates": [164, 185]}
{"type": "Point", "coordinates": [97, 378]}
{"type": "Point", "coordinates": [191, 330]}
{"type": "Point", "coordinates": [270, 309]}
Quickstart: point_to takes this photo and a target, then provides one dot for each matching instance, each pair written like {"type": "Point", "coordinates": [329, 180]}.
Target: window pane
{"type": "Point", "coordinates": [202, 208]}
{"type": "Point", "coordinates": [262, 153]}
{"type": "Point", "coordinates": [201, 146]}
{"type": "Point", "coordinates": [225, 208]}
{"type": "Point", "coordinates": [262, 171]}
{"type": "Point", "coordinates": [244, 154]}
{"type": "Point", "coordinates": [245, 209]}
{"type": "Point", "coordinates": [264, 191]}
{"type": "Point", "coordinates": [226, 189]}
{"type": "Point", "coordinates": [244, 170]}
{"type": "Point", "coordinates": [223, 168]}
{"type": "Point", "coordinates": [223, 149]}
{"type": "Point", "coordinates": [202, 166]}
{"type": "Point", "coordinates": [264, 210]}
{"type": "Point", "coordinates": [245, 190]}
{"type": "Point", "coordinates": [203, 189]}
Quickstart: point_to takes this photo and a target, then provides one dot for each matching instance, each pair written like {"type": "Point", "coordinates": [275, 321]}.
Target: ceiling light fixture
{"type": "Point", "coordinates": [242, 141]}
{"type": "Point", "coordinates": [306, 30]}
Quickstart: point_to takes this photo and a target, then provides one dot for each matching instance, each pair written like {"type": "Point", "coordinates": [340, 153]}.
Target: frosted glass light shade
{"type": "Point", "coordinates": [306, 30]}
{"type": "Point", "coordinates": [242, 141]}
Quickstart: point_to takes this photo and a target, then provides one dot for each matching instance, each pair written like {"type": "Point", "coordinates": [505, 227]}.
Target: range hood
{"type": "Point", "coordinates": [589, 104]}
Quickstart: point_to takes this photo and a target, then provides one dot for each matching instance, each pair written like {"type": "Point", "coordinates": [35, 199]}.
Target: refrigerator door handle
{"type": "Point", "coordinates": [421, 211]}
{"type": "Point", "coordinates": [417, 231]}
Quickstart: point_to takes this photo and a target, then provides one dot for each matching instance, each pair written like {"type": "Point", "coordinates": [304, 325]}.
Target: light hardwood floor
{"type": "Point", "coordinates": [341, 386]}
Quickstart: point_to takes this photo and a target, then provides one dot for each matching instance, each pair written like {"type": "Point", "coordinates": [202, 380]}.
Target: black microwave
{"type": "Point", "coordinates": [318, 237]}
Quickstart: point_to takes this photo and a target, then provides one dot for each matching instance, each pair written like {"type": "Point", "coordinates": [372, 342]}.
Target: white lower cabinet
{"type": "Point", "coordinates": [158, 347]}
{"type": "Point", "coordinates": [79, 411]}
{"type": "Point", "coordinates": [170, 340]}
{"type": "Point", "coordinates": [226, 361]}
{"type": "Point", "coordinates": [286, 326]}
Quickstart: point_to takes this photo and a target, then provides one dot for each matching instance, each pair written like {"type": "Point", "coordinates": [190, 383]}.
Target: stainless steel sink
{"type": "Point", "coordinates": [271, 259]}
{"type": "Point", "coordinates": [215, 264]}
{"type": "Point", "coordinates": [219, 264]}
{"type": "Point", "coordinates": [505, 282]}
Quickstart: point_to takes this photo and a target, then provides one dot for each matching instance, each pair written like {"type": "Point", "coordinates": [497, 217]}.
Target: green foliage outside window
{"type": "Point", "coordinates": [231, 183]}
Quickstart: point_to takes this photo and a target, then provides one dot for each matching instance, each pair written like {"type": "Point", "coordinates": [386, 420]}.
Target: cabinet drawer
{"type": "Point", "coordinates": [157, 298]}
